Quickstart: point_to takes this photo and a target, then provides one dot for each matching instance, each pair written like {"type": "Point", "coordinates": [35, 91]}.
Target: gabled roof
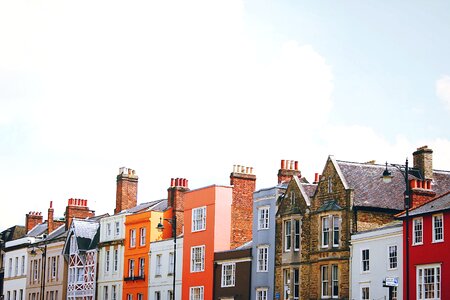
{"type": "Point", "coordinates": [159, 205]}
{"type": "Point", "coordinates": [38, 230]}
{"type": "Point", "coordinates": [86, 234]}
{"type": "Point", "coordinates": [12, 233]}
{"type": "Point", "coordinates": [329, 205]}
{"type": "Point", "coordinates": [438, 204]}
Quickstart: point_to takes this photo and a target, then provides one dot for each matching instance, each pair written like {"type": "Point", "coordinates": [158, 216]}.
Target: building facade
{"type": "Point", "coordinates": [377, 257]}
{"type": "Point", "coordinates": [161, 273]}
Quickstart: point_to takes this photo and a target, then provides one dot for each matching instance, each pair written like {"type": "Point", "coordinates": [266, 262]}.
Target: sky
{"type": "Point", "coordinates": [190, 88]}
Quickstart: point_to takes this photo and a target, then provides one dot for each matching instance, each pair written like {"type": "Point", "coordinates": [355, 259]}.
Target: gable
{"type": "Point", "coordinates": [295, 200]}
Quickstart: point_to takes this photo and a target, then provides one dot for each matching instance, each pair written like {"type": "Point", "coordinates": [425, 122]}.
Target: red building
{"type": "Point", "coordinates": [429, 249]}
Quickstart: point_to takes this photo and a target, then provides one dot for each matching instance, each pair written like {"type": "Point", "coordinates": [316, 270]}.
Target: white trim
{"type": "Point", "coordinates": [414, 243]}
{"type": "Point", "coordinates": [434, 228]}
{"type": "Point", "coordinates": [202, 226]}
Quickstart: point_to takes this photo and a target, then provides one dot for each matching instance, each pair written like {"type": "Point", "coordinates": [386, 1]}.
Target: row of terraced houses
{"type": "Point", "coordinates": [341, 236]}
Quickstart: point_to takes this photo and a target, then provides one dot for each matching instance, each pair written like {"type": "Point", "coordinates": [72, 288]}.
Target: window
{"type": "Point", "coordinates": [142, 232]}
{"type": "Point", "coordinates": [117, 228]}
{"type": "Point", "coordinates": [228, 274]}
{"type": "Point", "coordinates": [129, 296]}
{"type": "Point", "coordinates": [392, 257]}
{"type": "Point", "coordinates": [287, 235]}
{"type": "Point", "coordinates": [418, 231]}
{"type": "Point", "coordinates": [140, 296]}
{"type": "Point", "coordinates": [158, 265]}
{"type": "Point", "coordinates": [105, 293]}
{"type": "Point", "coordinates": [365, 293]}
{"type": "Point", "coordinates": [114, 292]}
{"type": "Point", "coordinates": [197, 259]}
{"type": "Point", "coordinates": [131, 268]}
{"type": "Point", "coordinates": [14, 295]}
{"type": "Point", "coordinates": [286, 283]}
{"type": "Point", "coordinates": [438, 228]}
{"type": "Point", "coordinates": [296, 235]}
{"type": "Point", "coordinates": [133, 238]}
{"type": "Point", "coordinates": [54, 267]}
{"type": "Point", "coordinates": [199, 219]}
{"type": "Point", "coordinates": [108, 229]}
{"type": "Point", "coordinates": [10, 267]}
{"type": "Point", "coordinates": [334, 281]}
{"type": "Point", "coordinates": [330, 185]}
{"type": "Point", "coordinates": [261, 294]}
{"type": "Point", "coordinates": [35, 270]}
{"type": "Point", "coordinates": [429, 282]}
{"type": "Point", "coordinates": [263, 217]}
{"type": "Point", "coordinates": [171, 263]}
{"type": "Point", "coordinates": [169, 295]}
{"type": "Point", "coordinates": [107, 260]}
{"type": "Point", "coordinates": [394, 295]}
{"type": "Point", "coordinates": [365, 260]}
{"type": "Point", "coordinates": [141, 267]}
{"type": "Point", "coordinates": [325, 282]}
{"type": "Point", "coordinates": [21, 294]}
{"type": "Point", "coordinates": [336, 223]}
{"type": "Point", "coordinates": [157, 295]}
{"type": "Point", "coordinates": [16, 267]}
{"type": "Point", "coordinates": [116, 260]}
{"type": "Point", "coordinates": [196, 293]}
{"type": "Point", "coordinates": [263, 253]}
{"type": "Point", "coordinates": [22, 266]}
{"type": "Point", "coordinates": [8, 295]}
{"type": "Point", "coordinates": [325, 232]}
{"type": "Point", "coordinates": [296, 284]}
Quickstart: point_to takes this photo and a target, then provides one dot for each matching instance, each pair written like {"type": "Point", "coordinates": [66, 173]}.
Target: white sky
{"type": "Point", "coordinates": [189, 88]}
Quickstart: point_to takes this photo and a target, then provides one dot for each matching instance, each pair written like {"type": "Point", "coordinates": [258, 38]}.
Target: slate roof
{"type": "Point", "coordinates": [12, 233]}
{"type": "Point", "coordinates": [371, 191]}
{"type": "Point", "coordinates": [38, 230]}
{"type": "Point", "coordinates": [439, 203]}
{"type": "Point", "coordinates": [310, 189]}
{"type": "Point", "coordinates": [330, 205]}
{"type": "Point", "coordinates": [153, 205]}
{"type": "Point", "coordinates": [87, 234]}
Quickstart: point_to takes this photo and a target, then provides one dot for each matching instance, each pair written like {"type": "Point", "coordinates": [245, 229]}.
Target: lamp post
{"type": "Point", "coordinates": [387, 178]}
{"type": "Point", "coordinates": [160, 227]}
{"type": "Point", "coordinates": [44, 259]}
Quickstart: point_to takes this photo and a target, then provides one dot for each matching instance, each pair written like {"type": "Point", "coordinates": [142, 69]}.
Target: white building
{"type": "Point", "coordinates": [161, 269]}
{"type": "Point", "coordinates": [375, 256]}
{"type": "Point", "coordinates": [110, 260]}
{"type": "Point", "coordinates": [16, 257]}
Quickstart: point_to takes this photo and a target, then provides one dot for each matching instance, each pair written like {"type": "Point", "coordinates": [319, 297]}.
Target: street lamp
{"type": "Point", "coordinates": [387, 178]}
{"type": "Point", "coordinates": [33, 253]}
{"type": "Point", "coordinates": [160, 227]}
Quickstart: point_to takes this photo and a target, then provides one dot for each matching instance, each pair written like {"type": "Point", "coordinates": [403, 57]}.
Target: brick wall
{"type": "Point", "coordinates": [77, 208]}
{"type": "Point", "coordinates": [175, 196]}
{"type": "Point", "coordinates": [126, 192]}
{"type": "Point", "coordinates": [32, 219]}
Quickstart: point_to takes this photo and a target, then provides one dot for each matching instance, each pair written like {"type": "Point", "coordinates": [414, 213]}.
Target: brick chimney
{"type": "Point", "coordinates": [51, 224]}
{"type": "Point", "coordinates": [175, 199]}
{"type": "Point", "coordinates": [243, 181]}
{"type": "Point", "coordinates": [32, 219]}
{"type": "Point", "coordinates": [77, 208]}
{"type": "Point", "coordinates": [287, 170]}
{"type": "Point", "coordinates": [423, 160]}
{"type": "Point", "coordinates": [126, 193]}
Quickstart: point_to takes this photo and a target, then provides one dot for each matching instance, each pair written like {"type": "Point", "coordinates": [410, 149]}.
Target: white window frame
{"type": "Point", "coordinates": [392, 259]}
{"type": "Point", "coordinates": [334, 281]}
{"type": "Point", "coordinates": [107, 261]}
{"type": "Point", "coordinates": [199, 219]}
{"type": "Point", "coordinates": [16, 267]}
{"type": "Point", "coordinates": [10, 267]}
{"type": "Point", "coordinates": [129, 296]}
{"type": "Point", "coordinates": [262, 294]}
{"type": "Point", "coordinates": [336, 232]}
{"type": "Point", "coordinates": [286, 283]}
{"type": "Point", "coordinates": [325, 231]}
{"type": "Point", "coordinates": [417, 233]}
{"type": "Point", "coordinates": [117, 225]}
{"type": "Point", "coordinates": [361, 288]}
{"type": "Point", "coordinates": [296, 286]}
{"type": "Point", "coordinates": [197, 259]}
{"type": "Point", "coordinates": [436, 240]}
{"type": "Point", "coordinates": [131, 267]}
{"type": "Point", "coordinates": [142, 236]}
{"type": "Point", "coordinates": [113, 292]}
{"type": "Point", "coordinates": [108, 229]}
{"type": "Point", "coordinates": [171, 263]}
{"type": "Point", "coordinates": [263, 217]}
{"type": "Point", "coordinates": [132, 238]}
{"type": "Point", "coordinates": [330, 185]}
{"type": "Point", "coordinates": [324, 282]}
{"type": "Point", "coordinates": [105, 293]}
{"type": "Point", "coordinates": [287, 236]}
{"type": "Point", "coordinates": [157, 295]}
{"type": "Point", "coordinates": [158, 264]}
{"type": "Point", "coordinates": [262, 258]}
{"type": "Point", "coordinates": [53, 268]}
{"type": "Point", "coordinates": [421, 285]}
{"type": "Point", "coordinates": [116, 260]}
{"type": "Point", "coordinates": [192, 293]}
{"type": "Point", "coordinates": [141, 271]}
{"type": "Point", "coordinates": [228, 275]}
{"type": "Point", "coordinates": [365, 260]}
{"type": "Point", "coordinates": [22, 265]}
{"type": "Point", "coordinates": [297, 234]}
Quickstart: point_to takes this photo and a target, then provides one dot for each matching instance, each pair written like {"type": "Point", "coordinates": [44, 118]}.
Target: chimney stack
{"type": "Point", "coordinates": [51, 224]}
{"type": "Point", "coordinates": [423, 160]}
{"type": "Point", "coordinates": [175, 196]}
{"type": "Point", "coordinates": [244, 182]}
{"type": "Point", "coordinates": [32, 219]}
{"type": "Point", "coordinates": [126, 193]}
{"type": "Point", "coordinates": [77, 208]}
{"type": "Point", "coordinates": [287, 170]}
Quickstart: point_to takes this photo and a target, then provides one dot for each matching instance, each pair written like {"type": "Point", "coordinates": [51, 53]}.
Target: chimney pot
{"type": "Point", "coordinates": [172, 182]}
{"type": "Point", "coordinates": [296, 165]}
{"type": "Point", "coordinates": [187, 182]}
{"type": "Point", "coordinates": [283, 164]}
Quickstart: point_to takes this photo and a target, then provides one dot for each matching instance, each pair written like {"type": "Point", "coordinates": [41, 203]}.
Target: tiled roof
{"type": "Point", "coordinates": [440, 203]}
{"type": "Point", "coordinates": [38, 230]}
{"type": "Point", "coordinates": [310, 189]}
{"type": "Point", "coordinates": [13, 233]}
{"type": "Point", "coordinates": [371, 191]}
{"type": "Point", "coordinates": [146, 205]}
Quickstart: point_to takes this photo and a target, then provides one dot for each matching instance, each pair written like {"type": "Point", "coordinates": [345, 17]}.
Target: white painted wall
{"type": "Point", "coordinates": [378, 242]}
{"type": "Point", "coordinates": [164, 282]}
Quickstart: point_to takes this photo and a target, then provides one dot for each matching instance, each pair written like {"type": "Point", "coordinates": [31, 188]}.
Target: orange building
{"type": "Point", "coordinates": [140, 231]}
{"type": "Point", "coordinates": [210, 226]}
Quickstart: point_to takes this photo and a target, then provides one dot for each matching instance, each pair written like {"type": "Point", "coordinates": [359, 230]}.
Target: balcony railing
{"type": "Point", "coordinates": [134, 278]}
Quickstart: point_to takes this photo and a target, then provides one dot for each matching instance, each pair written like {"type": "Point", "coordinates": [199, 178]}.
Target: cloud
{"type": "Point", "coordinates": [443, 90]}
